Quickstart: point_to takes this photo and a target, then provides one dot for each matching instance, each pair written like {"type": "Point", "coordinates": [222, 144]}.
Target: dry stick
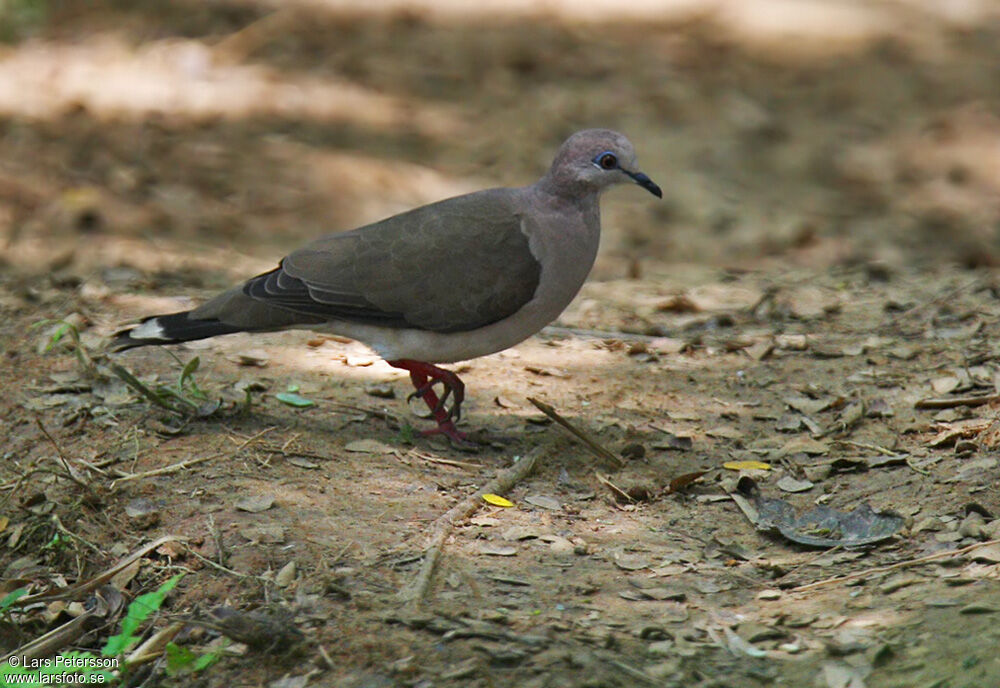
{"type": "Point", "coordinates": [503, 482]}
{"type": "Point", "coordinates": [187, 463]}
{"type": "Point", "coordinates": [893, 567]}
{"type": "Point", "coordinates": [445, 462]}
{"type": "Point", "coordinates": [956, 401]}
{"type": "Point", "coordinates": [62, 455]}
{"type": "Point", "coordinates": [596, 448]}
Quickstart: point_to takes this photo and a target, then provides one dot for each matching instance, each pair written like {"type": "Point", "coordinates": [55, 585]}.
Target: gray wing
{"type": "Point", "coordinates": [451, 266]}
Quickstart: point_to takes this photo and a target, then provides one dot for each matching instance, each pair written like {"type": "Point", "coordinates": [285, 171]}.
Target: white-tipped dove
{"type": "Point", "coordinates": [449, 281]}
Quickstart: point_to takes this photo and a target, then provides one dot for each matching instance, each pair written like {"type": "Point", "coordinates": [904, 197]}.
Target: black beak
{"type": "Point", "coordinates": [645, 182]}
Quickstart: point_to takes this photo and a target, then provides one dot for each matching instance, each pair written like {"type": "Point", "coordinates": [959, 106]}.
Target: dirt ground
{"type": "Point", "coordinates": [818, 291]}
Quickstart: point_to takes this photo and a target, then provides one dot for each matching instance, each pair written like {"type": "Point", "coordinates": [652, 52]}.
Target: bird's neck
{"type": "Point", "coordinates": [562, 191]}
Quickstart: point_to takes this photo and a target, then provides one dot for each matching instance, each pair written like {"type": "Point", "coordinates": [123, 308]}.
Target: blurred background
{"type": "Point", "coordinates": [204, 138]}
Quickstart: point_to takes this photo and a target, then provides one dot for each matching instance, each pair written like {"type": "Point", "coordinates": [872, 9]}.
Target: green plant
{"type": "Point", "coordinates": [93, 668]}
{"type": "Point", "coordinates": [67, 328]}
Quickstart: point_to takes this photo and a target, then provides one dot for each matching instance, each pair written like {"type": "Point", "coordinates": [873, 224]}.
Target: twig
{"type": "Point", "coordinates": [375, 413]}
{"type": "Point", "coordinates": [447, 462]}
{"type": "Point", "coordinates": [70, 534]}
{"type": "Point", "coordinates": [614, 488]}
{"type": "Point", "coordinates": [954, 402]}
{"type": "Point", "coordinates": [897, 565]}
{"type": "Point", "coordinates": [505, 480]}
{"type": "Point", "coordinates": [172, 468]}
{"type": "Point", "coordinates": [187, 463]}
{"type": "Point", "coordinates": [62, 455]}
{"type": "Point", "coordinates": [218, 566]}
{"type": "Point", "coordinates": [595, 447]}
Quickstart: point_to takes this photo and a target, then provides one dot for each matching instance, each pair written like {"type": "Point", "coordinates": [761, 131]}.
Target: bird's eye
{"type": "Point", "coordinates": [608, 161]}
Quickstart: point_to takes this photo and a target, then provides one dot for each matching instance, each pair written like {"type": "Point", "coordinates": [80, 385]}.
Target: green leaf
{"type": "Point", "coordinates": [57, 335]}
{"type": "Point", "coordinates": [187, 377]}
{"type": "Point", "coordinates": [11, 598]}
{"type": "Point", "coordinates": [140, 609]}
{"type": "Point", "coordinates": [293, 399]}
{"type": "Point", "coordinates": [181, 660]}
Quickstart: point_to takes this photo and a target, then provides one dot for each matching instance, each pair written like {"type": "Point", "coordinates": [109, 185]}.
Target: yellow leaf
{"type": "Point", "coordinates": [747, 465]}
{"type": "Point", "coordinates": [497, 500]}
{"type": "Point", "coordinates": [4, 521]}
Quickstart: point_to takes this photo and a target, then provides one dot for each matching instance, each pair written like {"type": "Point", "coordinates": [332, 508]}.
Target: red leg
{"type": "Point", "coordinates": [424, 376]}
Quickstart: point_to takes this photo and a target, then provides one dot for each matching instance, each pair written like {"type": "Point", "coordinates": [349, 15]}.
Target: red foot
{"type": "Point", "coordinates": [424, 376]}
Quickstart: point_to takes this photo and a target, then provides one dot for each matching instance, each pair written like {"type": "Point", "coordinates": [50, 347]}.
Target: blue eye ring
{"type": "Point", "coordinates": [606, 161]}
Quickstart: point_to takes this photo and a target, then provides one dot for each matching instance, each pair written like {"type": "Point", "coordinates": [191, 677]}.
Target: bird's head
{"type": "Point", "coordinates": [599, 158]}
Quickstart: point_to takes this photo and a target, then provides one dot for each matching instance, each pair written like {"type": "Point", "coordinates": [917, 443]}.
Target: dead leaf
{"type": "Point", "coordinates": [632, 562]}
{"type": "Point", "coordinates": [989, 554]}
{"type": "Point", "coordinates": [962, 429]}
{"type": "Point", "coordinates": [726, 432]}
{"type": "Point", "coordinates": [678, 303]}
{"type": "Point", "coordinates": [808, 406]}
{"type": "Point", "coordinates": [805, 446]}
{"type": "Point", "coordinates": [285, 575]}
{"type": "Point", "coordinates": [301, 462]}
{"type": "Point", "coordinates": [497, 550]}
{"type": "Point", "coordinates": [945, 385]}
{"type": "Point", "coordinates": [253, 357]}
{"type": "Point", "coordinates": [790, 484]}
{"type": "Point", "coordinates": [255, 503]}
{"type": "Point", "coordinates": [682, 481]}
{"type": "Point", "coordinates": [367, 447]}
{"type": "Point", "coordinates": [547, 371]}
{"type": "Point", "coordinates": [544, 502]}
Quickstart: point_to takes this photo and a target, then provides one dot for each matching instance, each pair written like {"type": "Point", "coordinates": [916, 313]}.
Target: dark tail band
{"type": "Point", "coordinates": [168, 329]}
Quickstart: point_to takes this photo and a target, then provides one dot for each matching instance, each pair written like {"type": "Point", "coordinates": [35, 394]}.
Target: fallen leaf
{"type": "Point", "coordinates": [790, 484]}
{"type": "Point", "coordinates": [293, 399]}
{"type": "Point", "coordinates": [807, 406]}
{"type": "Point", "coordinates": [746, 466]}
{"type": "Point", "coordinates": [547, 372]}
{"type": "Point", "coordinates": [682, 481]}
{"type": "Point", "coordinates": [301, 462]}
{"type": "Point", "coordinates": [255, 503]}
{"type": "Point", "coordinates": [726, 432]}
{"type": "Point", "coordinates": [805, 446]}
{"type": "Point", "coordinates": [945, 385]}
{"type": "Point", "coordinates": [497, 500]}
{"type": "Point", "coordinates": [285, 575]}
{"type": "Point", "coordinates": [367, 447]}
{"type": "Point", "coordinates": [632, 562]}
{"type": "Point", "coordinates": [498, 550]}
{"type": "Point", "coordinates": [544, 502]}
{"type": "Point", "coordinates": [254, 357]}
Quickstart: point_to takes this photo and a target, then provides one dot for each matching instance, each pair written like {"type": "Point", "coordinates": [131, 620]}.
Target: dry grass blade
{"type": "Point", "coordinates": [593, 445]}
{"type": "Point", "coordinates": [133, 382]}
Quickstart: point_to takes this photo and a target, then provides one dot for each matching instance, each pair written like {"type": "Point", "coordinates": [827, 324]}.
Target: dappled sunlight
{"type": "Point", "coordinates": [362, 189]}
{"type": "Point", "coordinates": [182, 81]}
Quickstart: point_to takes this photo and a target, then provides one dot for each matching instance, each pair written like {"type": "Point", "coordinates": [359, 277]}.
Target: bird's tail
{"type": "Point", "coordinates": [169, 329]}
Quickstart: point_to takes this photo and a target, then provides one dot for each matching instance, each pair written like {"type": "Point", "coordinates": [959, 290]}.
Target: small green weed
{"type": "Point", "coordinates": [87, 667]}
